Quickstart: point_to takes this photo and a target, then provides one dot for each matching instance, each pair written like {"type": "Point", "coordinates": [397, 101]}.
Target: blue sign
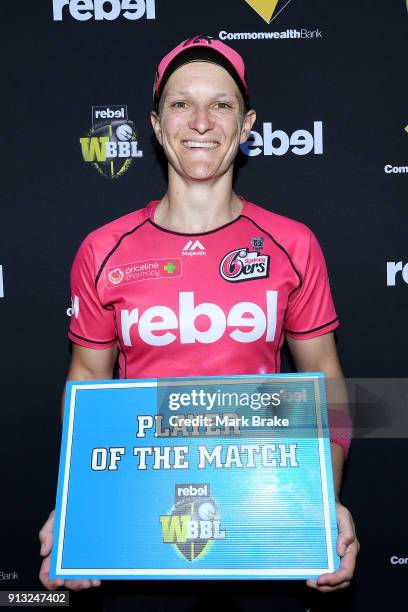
{"type": "Point", "coordinates": [196, 478]}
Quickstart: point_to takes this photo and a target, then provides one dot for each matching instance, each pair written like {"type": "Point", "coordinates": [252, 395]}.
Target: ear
{"type": "Point", "coordinates": [247, 124]}
{"type": "Point", "coordinates": [154, 118]}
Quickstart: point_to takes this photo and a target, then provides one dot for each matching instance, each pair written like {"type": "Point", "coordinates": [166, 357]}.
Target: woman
{"type": "Point", "coordinates": [204, 282]}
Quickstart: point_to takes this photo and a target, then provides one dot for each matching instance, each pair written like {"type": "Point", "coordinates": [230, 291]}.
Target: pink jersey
{"type": "Point", "coordinates": [214, 303]}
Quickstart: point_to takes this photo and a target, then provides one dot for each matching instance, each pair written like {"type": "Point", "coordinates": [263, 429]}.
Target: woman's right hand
{"type": "Point", "coordinates": [46, 539]}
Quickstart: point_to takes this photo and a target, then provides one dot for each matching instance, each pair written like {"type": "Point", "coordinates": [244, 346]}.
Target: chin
{"type": "Point", "coordinates": [200, 173]}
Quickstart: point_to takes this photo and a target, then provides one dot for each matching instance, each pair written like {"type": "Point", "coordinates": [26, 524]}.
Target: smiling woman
{"type": "Point", "coordinates": [260, 278]}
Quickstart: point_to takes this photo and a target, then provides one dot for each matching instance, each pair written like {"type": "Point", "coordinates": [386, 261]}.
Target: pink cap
{"type": "Point", "coordinates": [203, 48]}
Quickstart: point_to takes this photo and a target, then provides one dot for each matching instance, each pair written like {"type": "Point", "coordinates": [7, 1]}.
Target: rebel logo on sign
{"type": "Point", "coordinates": [244, 265]}
{"type": "Point", "coordinates": [194, 522]}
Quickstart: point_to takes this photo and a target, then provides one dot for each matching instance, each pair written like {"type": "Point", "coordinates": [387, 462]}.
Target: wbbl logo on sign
{"type": "Point", "coordinates": [111, 144]}
{"type": "Point", "coordinates": [194, 523]}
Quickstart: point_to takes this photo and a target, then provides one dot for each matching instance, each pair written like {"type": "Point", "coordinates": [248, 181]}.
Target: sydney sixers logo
{"type": "Point", "coordinates": [243, 265]}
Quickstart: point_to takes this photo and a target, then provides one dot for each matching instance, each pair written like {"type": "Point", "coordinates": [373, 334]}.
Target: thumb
{"type": "Point", "coordinates": [46, 536]}
{"type": "Point", "coordinates": [346, 530]}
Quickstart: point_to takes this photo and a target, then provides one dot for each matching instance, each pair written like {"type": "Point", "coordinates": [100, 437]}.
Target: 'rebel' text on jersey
{"type": "Point", "coordinates": [258, 322]}
{"type": "Point", "coordinates": [208, 304]}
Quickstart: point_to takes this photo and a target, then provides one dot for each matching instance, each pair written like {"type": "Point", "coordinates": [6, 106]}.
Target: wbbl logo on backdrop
{"type": "Point", "coordinates": [111, 145]}
{"type": "Point", "coordinates": [194, 522]}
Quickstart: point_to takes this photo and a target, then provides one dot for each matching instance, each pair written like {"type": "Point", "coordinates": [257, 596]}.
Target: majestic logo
{"type": "Point", "coordinates": [83, 10]}
{"type": "Point", "coordinates": [268, 9]}
{"type": "Point", "coordinates": [194, 522]}
{"type": "Point", "coordinates": [74, 310]}
{"type": "Point", "coordinates": [111, 145]}
{"type": "Point", "coordinates": [194, 248]}
{"type": "Point", "coordinates": [146, 269]}
{"type": "Point", "coordinates": [247, 322]}
{"type": "Point", "coordinates": [394, 268]}
{"type": "Point", "coordinates": [278, 142]}
{"type": "Point", "coordinates": [243, 265]}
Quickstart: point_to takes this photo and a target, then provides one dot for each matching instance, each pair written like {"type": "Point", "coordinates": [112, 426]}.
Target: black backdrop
{"type": "Point", "coordinates": [349, 76]}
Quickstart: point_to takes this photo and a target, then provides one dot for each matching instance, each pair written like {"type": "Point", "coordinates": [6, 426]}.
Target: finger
{"type": "Point", "coordinates": [48, 525]}
{"type": "Point", "coordinates": [345, 539]}
{"type": "Point", "coordinates": [333, 579]}
{"type": "Point", "coordinates": [348, 560]}
{"type": "Point", "coordinates": [78, 585]}
{"type": "Point", "coordinates": [46, 544]}
{"type": "Point", "coordinates": [49, 583]}
{"type": "Point", "coordinates": [96, 583]}
{"type": "Point", "coordinates": [329, 589]}
{"type": "Point", "coordinates": [347, 533]}
{"type": "Point", "coordinates": [45, 535]}
{"type": "Point", "coordinates": [345, 571]}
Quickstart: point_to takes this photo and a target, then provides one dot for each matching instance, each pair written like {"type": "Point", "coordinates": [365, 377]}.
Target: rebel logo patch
{"type": "Point", "coordinates": [243, 265]}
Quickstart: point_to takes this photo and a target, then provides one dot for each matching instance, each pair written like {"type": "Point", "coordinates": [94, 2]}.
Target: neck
{"type": "Point", "coordinates": [197, 206]}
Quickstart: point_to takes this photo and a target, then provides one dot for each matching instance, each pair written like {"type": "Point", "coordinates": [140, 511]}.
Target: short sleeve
{"type": "Point", "coordinates": [92, 325]}
{"type": "Point", "coordinates": [311, 311]}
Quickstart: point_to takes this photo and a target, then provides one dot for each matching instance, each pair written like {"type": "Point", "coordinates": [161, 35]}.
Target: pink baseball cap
{"type": "Point", "coordinates": [201, 48]}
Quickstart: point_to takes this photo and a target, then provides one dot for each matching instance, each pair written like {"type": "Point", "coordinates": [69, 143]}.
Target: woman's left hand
{"type": "Point", "coordinates": [347, 548]}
